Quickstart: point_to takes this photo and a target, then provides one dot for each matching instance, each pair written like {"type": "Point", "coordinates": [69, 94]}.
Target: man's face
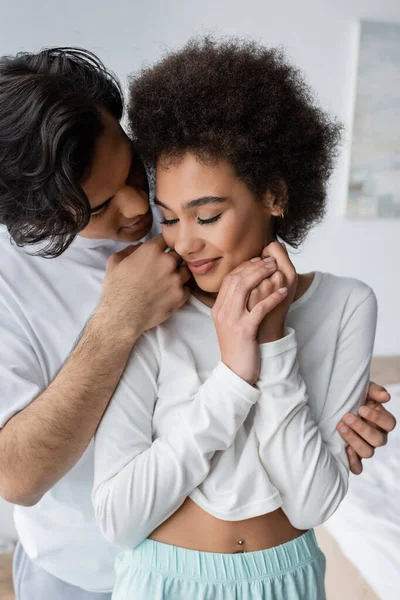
{"type": "Point", "coordinates": [117, 189]}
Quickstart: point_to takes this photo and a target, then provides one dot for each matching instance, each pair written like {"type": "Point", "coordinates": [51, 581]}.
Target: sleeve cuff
{"type": "Point", "coordinates": [230, 380]}
{"type": "Point", "coordinates": [280, 346]}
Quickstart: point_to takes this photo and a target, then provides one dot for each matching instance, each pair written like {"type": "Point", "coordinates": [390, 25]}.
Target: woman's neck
{"type": "Point", "coordinates": [303, 283]}
{"type": "Point", "coordinates": [207, 298]}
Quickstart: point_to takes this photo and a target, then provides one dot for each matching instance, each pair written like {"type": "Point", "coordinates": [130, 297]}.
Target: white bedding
{"type": "Point", "coordinates": [367, 524]}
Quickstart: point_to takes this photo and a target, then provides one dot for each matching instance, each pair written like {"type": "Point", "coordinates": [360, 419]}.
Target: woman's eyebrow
{"type": "Point", "coordinates": [203, 201]}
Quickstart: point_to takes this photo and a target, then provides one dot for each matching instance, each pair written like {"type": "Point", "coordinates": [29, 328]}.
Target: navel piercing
{"type": "Point", "coordinates": [241, 542]}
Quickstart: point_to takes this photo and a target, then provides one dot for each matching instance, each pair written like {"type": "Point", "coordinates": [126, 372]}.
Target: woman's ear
{"type": "Point", "coordinates": [275, 198]}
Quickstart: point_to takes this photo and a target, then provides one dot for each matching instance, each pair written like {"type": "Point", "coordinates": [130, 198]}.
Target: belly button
{"type": "Point", "coordinates": [240, 543]}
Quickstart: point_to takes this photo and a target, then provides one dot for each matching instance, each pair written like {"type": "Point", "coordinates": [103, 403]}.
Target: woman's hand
{"type": "Point", "coordinates": [369, 431]}
{"type": "Point", "coordinates": [273, 325]}
{"type": "Point", "coordinates": [236, 324]}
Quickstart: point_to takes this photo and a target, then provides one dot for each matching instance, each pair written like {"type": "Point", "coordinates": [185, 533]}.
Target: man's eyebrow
{"type": "Point", "coordinates": [99, 206]}
{"type": "Point", "coordinates": [203, 201]}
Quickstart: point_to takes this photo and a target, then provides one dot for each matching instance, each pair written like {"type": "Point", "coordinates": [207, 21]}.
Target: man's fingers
{"type": "Point", "coordinates": [118, 257]}
{"type": "Point", "coordinates": [184, 273]}
{"type": "Point", "coordinates": [378, 416]}
{"type": "Point", "coordinates": [378, 393]}
{"type": "Point", "coordinates": [159, 241]}
{"type": "Point", "coordinates": [175, 256]}
{"type": "Point", "coordinates": [128, 251]}
{"type": "Point", "coordinates": [358, 444]}
{"type": "Point", "coordinates": [355, 463]}
{"type": "Point", "coordinates": [372, 435]}
{"type": "Point", "coordinates": [185, 297]}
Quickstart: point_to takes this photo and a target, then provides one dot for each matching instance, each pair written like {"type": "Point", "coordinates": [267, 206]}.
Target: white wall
{"type": "Point", "coordinates": [320, 35]}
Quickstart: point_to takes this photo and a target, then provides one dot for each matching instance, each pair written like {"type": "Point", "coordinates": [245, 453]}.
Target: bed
{"type": "Point", "coordinates": [362, 539]}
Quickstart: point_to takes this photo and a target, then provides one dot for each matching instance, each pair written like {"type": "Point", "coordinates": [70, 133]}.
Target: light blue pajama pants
{"type": "Point", "coordinates": [155, 571]}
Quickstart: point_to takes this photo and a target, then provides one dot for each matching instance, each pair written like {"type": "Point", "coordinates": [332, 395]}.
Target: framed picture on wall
{"type": "Point", "coordinates": [374, 181]}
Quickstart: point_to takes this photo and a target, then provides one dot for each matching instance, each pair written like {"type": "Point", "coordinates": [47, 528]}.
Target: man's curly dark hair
{"type": "Point", "coordinates": [50, 120]}
{"type": "Point", "coordinates": [239, 101]}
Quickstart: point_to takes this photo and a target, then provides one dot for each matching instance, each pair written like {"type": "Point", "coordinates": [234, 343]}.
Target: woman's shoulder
{"type": "Point", "coordinates": [352, 298]}
{"type": "Point", "coordinates": [355, 290]}
{"type": "Point", "coordinates": [333, 292]}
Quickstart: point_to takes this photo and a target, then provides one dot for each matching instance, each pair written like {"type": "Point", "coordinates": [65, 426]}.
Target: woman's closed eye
{"type": "Point", "coordinates": [199, 220]}
{"type": "Point", "coordinates": [100, 213]}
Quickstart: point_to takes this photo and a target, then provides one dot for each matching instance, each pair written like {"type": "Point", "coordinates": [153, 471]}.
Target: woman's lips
{"type": "Point", "coordinates": [201, 267]}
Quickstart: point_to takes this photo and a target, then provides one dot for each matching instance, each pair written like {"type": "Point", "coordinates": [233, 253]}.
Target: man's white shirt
{"type": "Point", "coordinates": [44, 306]}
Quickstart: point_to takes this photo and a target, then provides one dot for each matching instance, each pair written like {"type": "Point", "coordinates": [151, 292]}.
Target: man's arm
{"type": "Point", "coordinates": [369, 431]}
{"type": "Point", "coordinates": [42, 442]}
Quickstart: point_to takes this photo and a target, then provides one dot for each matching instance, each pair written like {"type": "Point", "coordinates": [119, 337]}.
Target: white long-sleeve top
{"type": "Point", "coordinates": [182, 424]}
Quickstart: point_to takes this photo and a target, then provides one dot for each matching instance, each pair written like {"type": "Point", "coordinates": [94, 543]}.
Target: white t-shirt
{"type": "Point", "coordinates": [182, 424]}
{"type": "Point", "coordinates": [44, 305]}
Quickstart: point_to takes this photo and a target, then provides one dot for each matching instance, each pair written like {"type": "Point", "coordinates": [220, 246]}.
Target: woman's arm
{"type": "Point", "coordinates": [139, 482]}
{"type": "Point", "coordinates": [305, 459]}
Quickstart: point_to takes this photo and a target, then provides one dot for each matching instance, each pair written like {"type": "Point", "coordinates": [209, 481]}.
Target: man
{"type": "Point", "coordinates": [67, 169]}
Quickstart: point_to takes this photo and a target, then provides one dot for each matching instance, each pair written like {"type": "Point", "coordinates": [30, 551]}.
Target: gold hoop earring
{"type": "Point", "coordinates": [282, 214]}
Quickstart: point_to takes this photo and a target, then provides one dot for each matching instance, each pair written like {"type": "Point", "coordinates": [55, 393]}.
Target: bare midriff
{"type": "Point", "coordinates": [193, 528]}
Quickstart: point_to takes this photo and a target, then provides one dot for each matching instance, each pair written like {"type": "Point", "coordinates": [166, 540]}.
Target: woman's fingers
{"type": "Point", "coordinates": [227, 282]}
{"type": "Point", "coordinates": [266, 288]}
{"type": "Point", "coordinates": [279, 252]}
{"type": "Point", "coordinates": [238, 285]}
{"type": "Point", "coordinates": [265, 306]}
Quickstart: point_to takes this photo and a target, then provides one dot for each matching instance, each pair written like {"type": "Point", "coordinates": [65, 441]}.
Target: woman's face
{"type": "Point", "coordinates": [211, 218]}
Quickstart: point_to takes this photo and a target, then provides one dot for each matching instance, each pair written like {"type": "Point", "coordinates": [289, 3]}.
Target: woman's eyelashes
{"type": "Point", "coordinates": [100, 213]}
{"type": "Point", "coordinates": [209, 221]}
{"type": "Point", "coordinates": [169, 222]}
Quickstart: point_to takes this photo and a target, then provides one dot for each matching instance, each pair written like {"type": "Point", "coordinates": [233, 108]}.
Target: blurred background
{"type": "Point", "coordinates": [320, 36]}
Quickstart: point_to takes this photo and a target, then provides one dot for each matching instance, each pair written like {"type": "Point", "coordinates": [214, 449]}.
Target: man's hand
{"type": "Point", "coordinates": [42, 442]}
{"type": "Point", "coordinates": [369, 431]}
{"type": "Point", "coordinates": [143, 285]}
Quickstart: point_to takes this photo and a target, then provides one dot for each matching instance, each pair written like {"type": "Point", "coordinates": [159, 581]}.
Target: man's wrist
{"type": "Point", "coordinates": [106, 323]}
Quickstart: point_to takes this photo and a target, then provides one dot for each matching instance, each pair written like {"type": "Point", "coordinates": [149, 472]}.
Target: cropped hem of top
{"type": "Point", "coordinates": [182, 424]}
{"type": "Point", "coordinates": [246, 511]}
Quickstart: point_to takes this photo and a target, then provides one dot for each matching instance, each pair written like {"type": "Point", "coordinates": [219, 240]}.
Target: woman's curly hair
{"type": "Point", "coordinates": [245, 103]}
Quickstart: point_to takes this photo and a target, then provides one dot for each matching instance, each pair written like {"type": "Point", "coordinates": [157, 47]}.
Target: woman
{"type": "Point", "coordinates": [219, 444]}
